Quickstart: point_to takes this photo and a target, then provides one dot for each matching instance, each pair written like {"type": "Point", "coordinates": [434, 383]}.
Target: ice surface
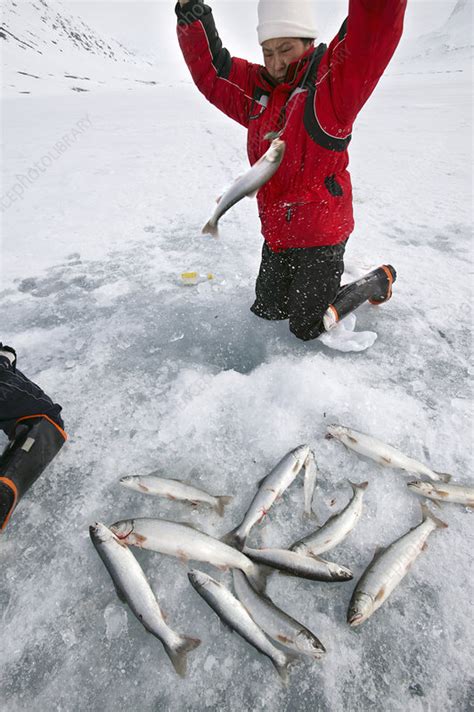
{"type": "Point", "coordinates": [156, 376]}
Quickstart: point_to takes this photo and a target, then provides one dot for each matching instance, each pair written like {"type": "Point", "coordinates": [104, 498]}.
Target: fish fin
{"type": "Point", "coordinates": [182, 556]}
{"type": "Point", "coordinates": [425, 546]}
{"type": "Point", "coordinates": [380, 594]}
{"type": "Point", "coordinates": [258, 577]}
{"type": "Point", "coordinates": [222, 501]}
{"type": "Point", "coordinates": [309, 515]}
{"type": "Point", "coordinates": [141, 487]}
{"type": "Point", "coordinates": [210, 229]}
{"type": "Point", "coordinates": [378, 552]}
{"type": "Point", "coordinates": [290, 659]}
{"type": "Point", "coordinates": [444, 476]}
{"type": "Point", "coordinates": [218, 199]}
{"type": "Point", "coordinates": [260, 482]}
{"type": "Point", "coordinates": [253, 193]}
{"type": "Point", "coordinates": [178, 655]}
{"type": "Point", "coordinates": [361, 486]}
{"type": "Point", "coordinates": [312, 556]}
{"type": "Point", "coordinates": [428, 514]}
{"type": "Point", "coordinates": [310, 456]}
{"type": "Point", "coordinates": [233, 539]}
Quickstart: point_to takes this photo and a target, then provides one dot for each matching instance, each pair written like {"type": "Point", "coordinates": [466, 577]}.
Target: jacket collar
{"type": "Point", "coordinates": [294, 73]}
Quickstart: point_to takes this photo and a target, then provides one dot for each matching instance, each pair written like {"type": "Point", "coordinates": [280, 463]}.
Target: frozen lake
{"type": "Point", "coordinates": [152, 374]}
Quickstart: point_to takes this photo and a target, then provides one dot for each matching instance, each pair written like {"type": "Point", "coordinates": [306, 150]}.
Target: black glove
{"type": "Point", "coordinates": [11, 351]}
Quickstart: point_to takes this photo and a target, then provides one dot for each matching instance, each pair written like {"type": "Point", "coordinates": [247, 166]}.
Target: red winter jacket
{"type": "Point", "coordinates": [308, 202]}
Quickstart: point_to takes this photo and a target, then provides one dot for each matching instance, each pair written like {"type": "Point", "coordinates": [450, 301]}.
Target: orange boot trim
{"type": "Point", "coordinates": [334, 311]}
{"type": "Point", "coordinates": [13, 487]}
{"type": "Point", "coordinates": [389, 288]}
{"type": "Point", "coordinates": [42, 415]}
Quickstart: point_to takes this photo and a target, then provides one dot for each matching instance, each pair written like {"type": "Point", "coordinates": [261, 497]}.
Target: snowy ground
{"type": "Point", "coordinates": [155, 375]}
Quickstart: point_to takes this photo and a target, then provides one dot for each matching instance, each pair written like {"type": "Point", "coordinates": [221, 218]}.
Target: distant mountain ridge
{"type": "Point", "coordinates": [46, 50]}
{"type": "Point", "coordinates": [45, 27]}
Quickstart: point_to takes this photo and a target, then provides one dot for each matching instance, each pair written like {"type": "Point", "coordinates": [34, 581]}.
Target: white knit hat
{"type": "Point", "coordinates": [285, 18]}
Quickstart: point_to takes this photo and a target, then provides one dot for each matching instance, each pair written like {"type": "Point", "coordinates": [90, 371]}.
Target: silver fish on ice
{"type": "Point", "coordinates": [248, 184]}
{"type": "Point", "coordinates": [455, 494]}
{"type": "Point", "coordinates": [296, 564]}
{"type": "Point", "coordinates": [133, 588]}
{"type": "Point", "coordinates": [277, 624]}
{"type": "Point", "coordinates": [336, 528]}
{"type": "Point", "coordinates": [310, 475]}
{"type": "Point", "coordinates": [388, 568]}
{"type": "Point", "coordinates": [233, 613]}
{"type": "Point", "coordinates": [271, 487]}
{"type": "Point", "coordinates": [384, 454]}
{"type": "Point", "coordinates": [175, 490]}
{"type": "Point", "coordinates": [186, 543]}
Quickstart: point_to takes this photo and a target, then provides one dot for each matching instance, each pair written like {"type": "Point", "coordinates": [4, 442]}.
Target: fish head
{"type": "Point", "coordinates": [276, 151]}
{"type": "Point", "coordinates": [198, 578]}
{"type": "Point", "coordinates": [301, 453]}
{"type": "Point", "coordinates": [308, 644]}
{"type": "Point", "coordinates": [421, 487]}
{"type": "Point", "coordinates": [124, 530]}
{"type": "Point", "coordinates": [99, 533]}
{"type": "Point", "coordinates": [339, 573]}
{"type": "Point", "coordinates": [335, 431]}
{"type": "Point", "coordinates": [360, 608]}
{"type": "Point", "coordinates": [128, 481]}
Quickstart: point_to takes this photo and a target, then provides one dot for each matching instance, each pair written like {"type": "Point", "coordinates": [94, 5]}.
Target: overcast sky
{"type": "Point", "coordinates": [149, 26]}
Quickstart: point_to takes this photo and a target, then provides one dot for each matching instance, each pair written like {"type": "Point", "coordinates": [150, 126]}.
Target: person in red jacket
{"type": "Point", "coordinates": [310, 95]}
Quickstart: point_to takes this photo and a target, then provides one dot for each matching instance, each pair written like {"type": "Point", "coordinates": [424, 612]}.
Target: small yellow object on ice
{"type": "Point", "coordinates": [195, 278]}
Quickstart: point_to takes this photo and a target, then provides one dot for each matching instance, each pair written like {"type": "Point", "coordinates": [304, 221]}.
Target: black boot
{"type": "Point", "coordinates": [34, 443]}
{"type": "Point", "coordinates": [376, 287]}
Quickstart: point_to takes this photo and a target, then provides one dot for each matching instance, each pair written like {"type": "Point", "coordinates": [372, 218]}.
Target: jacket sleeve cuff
{"type": "Point", "coordinates": [191, 11]}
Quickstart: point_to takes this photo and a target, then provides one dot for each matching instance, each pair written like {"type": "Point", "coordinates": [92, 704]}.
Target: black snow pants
{"type": "Point", "coordinates": [299, 284]}
{"type": "Point", "coordinates": [20, 397]}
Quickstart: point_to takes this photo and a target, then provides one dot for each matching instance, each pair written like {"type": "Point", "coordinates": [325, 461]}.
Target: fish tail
{"type": "Point", "coordinates": [234, 539]}
{"type": "Point", "coordinates": [428, 514]}
{"type": "Point", "coordinates": [361, 486]}
{"type": "Point", "coordinates": [210, 229]}
{"type": "Point", "coordinates": [444, 476]}
{"type": "Point", "coordinates": [221, 503]}
{"type": "Point", "coordinates": [283, 668]}
{"type": "Point", "coordinates": [178, 654]}
{"type": "Point", "coordinates": [298, 548]}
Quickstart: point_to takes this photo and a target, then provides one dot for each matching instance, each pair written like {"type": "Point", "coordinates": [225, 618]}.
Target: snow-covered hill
{"type": "Point", "coordinates": [46, 50]}
{"type": "Point", "coordinates": [449, 48]}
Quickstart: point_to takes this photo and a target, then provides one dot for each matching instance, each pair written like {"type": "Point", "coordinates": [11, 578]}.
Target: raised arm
{"type": "Point", "coordinates": [227, 82]}
{"type": "Point", "coordinates": [358, 56]}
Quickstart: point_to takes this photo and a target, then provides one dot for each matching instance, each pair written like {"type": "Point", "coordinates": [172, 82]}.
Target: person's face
{"type": "Point", "coordinates": [278, 54]}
